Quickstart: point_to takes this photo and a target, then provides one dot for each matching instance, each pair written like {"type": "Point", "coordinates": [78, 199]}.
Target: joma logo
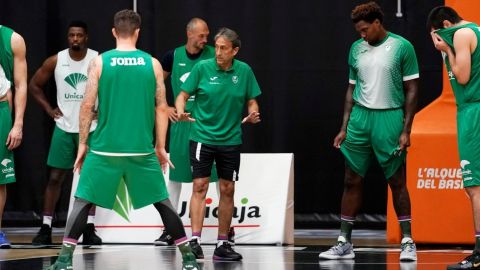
{"type": "Point", "coordinates": [127, 61]}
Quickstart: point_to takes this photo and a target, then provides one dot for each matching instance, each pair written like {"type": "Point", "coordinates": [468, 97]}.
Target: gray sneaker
{"type": "Point", "coordinates": [341, 250]}
{"type": "Point", "coordinates": [408, 250]}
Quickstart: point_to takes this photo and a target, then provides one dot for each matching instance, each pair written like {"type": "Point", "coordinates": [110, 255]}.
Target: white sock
{"type": "Point", "coordinates": [217, 185]}
{"type": "Point", "coordinates": [341, 239]}
{"type": "Point", "coordinates": [196, 237]}
{"type": "Point", "coordinates": [174, 189]}
{"type": "Point", "coordinates": [91, 219]}
{"type": "Point", "coordinates": [220, 242]}
{"type": "Point", "coordinates": [47, 220]}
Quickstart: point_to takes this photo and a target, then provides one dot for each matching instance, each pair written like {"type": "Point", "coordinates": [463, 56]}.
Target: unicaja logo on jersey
{"type": "Point", "coordinates": [5, 162]}
{"type": "Point", "coordinates": [464, 163]}
{"type": "Point", "coordinates": [127, 61]}
{"type": "Point", "coordinates": [235, 79]}
{"type": "Point", "coordinates": [74, 79]}
{"type": "Point", "coordinates": [184, 77]}
{"type": "Point", "coordinates": [7, 169]}
{"type": "Point", "coordinates": [466, 173]}
{"type": "Point", "coordinates": [451, 76]}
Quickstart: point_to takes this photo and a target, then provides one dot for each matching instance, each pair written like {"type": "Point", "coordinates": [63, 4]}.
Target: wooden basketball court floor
{"type": "Point", "coordinates": [370, 249]}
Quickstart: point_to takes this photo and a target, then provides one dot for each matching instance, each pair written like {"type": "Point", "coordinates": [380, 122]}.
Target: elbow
{"type": "Point", "coordinates": [463, 80]}
{"type": "Point", "coordinates": [161, 108]}
{"type": "Point", "coordinates": [87, 107]}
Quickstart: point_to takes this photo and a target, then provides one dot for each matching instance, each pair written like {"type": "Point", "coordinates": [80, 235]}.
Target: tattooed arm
{"type": "Point", "coordinates": [87, 108]}
{"type": "Point", "coordinates": [161, 116]}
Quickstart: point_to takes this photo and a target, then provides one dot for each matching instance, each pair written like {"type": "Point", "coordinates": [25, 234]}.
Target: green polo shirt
{"type": "Point", "coordinates": [220, 97]}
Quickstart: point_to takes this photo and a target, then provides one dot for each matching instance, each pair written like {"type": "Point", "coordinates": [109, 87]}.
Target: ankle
{"type": "Point", "coordinates": [184, 248]}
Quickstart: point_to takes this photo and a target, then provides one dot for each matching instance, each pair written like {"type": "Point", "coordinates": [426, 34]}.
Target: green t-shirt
{"type": "Point", "coordinates": [126, 104]}
{"type": "Point", "coordinates": [6, 53]}
{"type": "Point", "coordinates": [182, 65]}
{"type": "Point", "coordinates": [469, 92]}
{"type": "Point", "coordinates": [379, 71]}
{"type": "Point", "coordinates": [220, 97]}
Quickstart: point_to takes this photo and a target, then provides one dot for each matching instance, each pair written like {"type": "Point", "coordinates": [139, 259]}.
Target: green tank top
{"type": "Point", "coordinates": [470, 92]}
{"type": "Point", "coordinates": [182, 65]}
{"type": "Point", "coordinates": [6, 54]}
{"type": "Point", "coordinates": [126, 103]}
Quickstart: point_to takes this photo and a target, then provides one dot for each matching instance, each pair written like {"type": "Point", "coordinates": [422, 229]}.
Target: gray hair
{"type": "Point", "coordinates": [230, 35]}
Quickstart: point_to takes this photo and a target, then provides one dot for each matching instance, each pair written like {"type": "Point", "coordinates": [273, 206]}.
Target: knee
{"type": "Point", "coordinates": [55, 181]}
{"type": "Point", "coordinates": [397, 186]}
{"type": "Point", "coordinates": [352, 182]}
{"type": "Point", "coordinates": [227, 188]}
{"type": "Point", "coordinates": [56, 177]}
{"type": "Point", "coordinates": [200, 188]}
{"type": "Point", "coordinates": [473, 192]}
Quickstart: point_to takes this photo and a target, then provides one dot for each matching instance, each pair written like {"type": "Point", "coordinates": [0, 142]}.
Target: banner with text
{"type": "Point", "coordinates": [263, 211]}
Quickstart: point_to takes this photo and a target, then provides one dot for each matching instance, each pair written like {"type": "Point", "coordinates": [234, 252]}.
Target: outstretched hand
{"type": "Point", "coordinates": [186, 117]}
{"type": "Point", "coordinates": [172, 114]}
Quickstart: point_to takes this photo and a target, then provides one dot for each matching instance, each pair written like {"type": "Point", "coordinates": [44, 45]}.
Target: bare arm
{"type": "Point", "coordinates": [180, 107]}
{"type": "Point", "coordinates": [172, 113]}
{"type": "Point", "coordinates": [87, 109]}
{"type": "Point", "coordinates": [39, 80]}
{"type": "Point", "coordinates": [161, 106]}
{"type": "Point", "coordinates": [161, 116]}
{"type": "Point", "coordinates": [410, 107]}
{"type": "Point", "coordinates": [181, 101]}
{"type": "Point", "coordinates": [347, 109]}
{"type": "Point", "coordinates": [464, 42]}
{"type": "Point", "coordinates": [20, 78]}
{"type": "Point", "coordinates": [253, 114]}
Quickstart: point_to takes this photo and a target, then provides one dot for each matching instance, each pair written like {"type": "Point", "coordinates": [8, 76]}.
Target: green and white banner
{"type": "Point", "coordinates": [263, 211]}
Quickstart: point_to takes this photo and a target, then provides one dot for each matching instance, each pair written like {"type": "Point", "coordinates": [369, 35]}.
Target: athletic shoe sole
{"type": "Point", "coordinates": [337, 257]}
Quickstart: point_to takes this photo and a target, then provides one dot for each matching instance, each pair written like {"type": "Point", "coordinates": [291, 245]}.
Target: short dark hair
{"type": "Point", "coordinates": [368, 12]}
{"type": "Point", "coordinates": [230, 35]}
{"type": "Point", "coordinates": [126, 22]}
{"type": "Point", "coordinates": [78, 23]}
{"type": "Point", "coordinates": [439, 14]}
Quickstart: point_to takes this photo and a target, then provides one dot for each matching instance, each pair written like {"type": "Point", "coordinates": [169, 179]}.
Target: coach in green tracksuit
{"type": "Point", "coordinates": [13, 76]}
{"type": "Point", "coordinates": [458, 40]}
{"type": "Point", "coordinates": [222, 87]}
{"type": "Point", "coordinates": [131, 106]}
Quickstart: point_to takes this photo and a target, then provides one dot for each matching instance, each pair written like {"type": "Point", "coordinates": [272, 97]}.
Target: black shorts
{"type": "Point", "coordinates": [226, 157]}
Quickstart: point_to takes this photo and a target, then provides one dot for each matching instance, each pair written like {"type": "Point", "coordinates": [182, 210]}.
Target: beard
{"type": "Point", "coordinates": [76, 47]}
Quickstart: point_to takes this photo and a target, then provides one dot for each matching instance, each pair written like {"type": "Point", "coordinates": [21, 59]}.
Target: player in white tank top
{"type": "Point", "coordinates": [70, 70]}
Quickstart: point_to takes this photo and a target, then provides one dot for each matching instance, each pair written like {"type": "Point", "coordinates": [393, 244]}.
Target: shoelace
{"type": "Point", "coordinates": [228, 246]}
{"type": "Point", "coordinates": [408, 246]}
{"type": "Point", "coordinates": [338, 246]}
